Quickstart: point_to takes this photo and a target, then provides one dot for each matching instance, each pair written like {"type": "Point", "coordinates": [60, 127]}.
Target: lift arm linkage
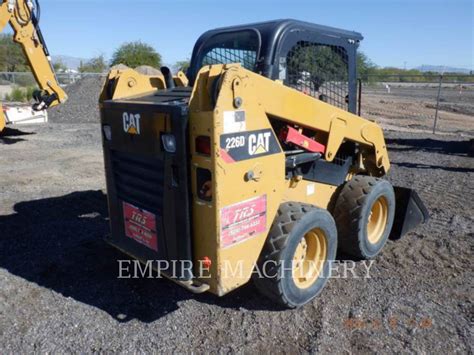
{"type": "Point", "coordinates": [294, 107]}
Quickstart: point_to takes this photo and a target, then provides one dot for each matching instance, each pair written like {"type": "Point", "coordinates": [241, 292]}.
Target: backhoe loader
{"type": "Point", "coordinates": [254, 165]}
{"type": "Point", "coordinates": [23, 17]}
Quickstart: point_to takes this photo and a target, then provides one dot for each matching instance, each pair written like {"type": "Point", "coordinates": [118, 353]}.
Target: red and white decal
{"type": "Point", "coordinates": [140, 225]}
{"type": "Point", "coordinates": [243, 220]}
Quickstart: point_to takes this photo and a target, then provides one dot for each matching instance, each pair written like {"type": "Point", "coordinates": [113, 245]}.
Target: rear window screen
{"type": "Point", "coordinates": [234, 47]}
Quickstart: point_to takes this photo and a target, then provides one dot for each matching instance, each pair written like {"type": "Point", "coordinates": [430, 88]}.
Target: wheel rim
{"type": "Point", "coordinates": [377, 220]}
{"type": "Point", "coordinates": [309, 258]}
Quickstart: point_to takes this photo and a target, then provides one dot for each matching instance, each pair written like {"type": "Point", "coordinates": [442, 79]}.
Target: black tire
{"type": "Point", "coordinates": [352, 211]}
{"type": "Point", "coordinates": [293, 222]}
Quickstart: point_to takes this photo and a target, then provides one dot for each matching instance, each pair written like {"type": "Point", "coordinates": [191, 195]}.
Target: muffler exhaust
{"type": "Point", "coordinates": [168, 77]}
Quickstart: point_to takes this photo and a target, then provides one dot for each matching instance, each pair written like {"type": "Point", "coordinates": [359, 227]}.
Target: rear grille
{"type": "Point", "coordinates": [139, 180]}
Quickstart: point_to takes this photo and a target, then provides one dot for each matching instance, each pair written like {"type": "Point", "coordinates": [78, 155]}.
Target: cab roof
{"type": "Point", "coordinates": [278, 27]}
{"type": "Point", "coordinates": [271, 34]}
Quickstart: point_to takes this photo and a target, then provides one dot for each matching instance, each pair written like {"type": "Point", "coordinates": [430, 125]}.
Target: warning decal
{"type": "Point", "coordinates": [140, 225]}
{"type": "Point", "coordinates": [243, 220]}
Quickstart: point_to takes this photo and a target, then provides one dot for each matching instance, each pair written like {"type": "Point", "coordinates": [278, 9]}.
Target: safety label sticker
{"type": "Point", "coordinates": [234, 121]}
{"type": "Point", "coordinates": [243, 220]}
{"type": "Point", "coordinates": [140, 225]}
{"type": "Point", "coordinates": [248, 145]}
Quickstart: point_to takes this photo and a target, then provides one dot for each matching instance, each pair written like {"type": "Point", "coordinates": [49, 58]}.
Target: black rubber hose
{"type": "Point", "coordinates": [38, 11]}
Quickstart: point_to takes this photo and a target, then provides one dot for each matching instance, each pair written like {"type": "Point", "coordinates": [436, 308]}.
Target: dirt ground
{"type": "Point", "coordinates": [59, 290]}
{"type": "Point", "coordinates": [413, 107]}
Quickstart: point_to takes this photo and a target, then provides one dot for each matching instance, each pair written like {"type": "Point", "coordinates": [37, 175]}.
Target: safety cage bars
{"type": "Point", "coordinates": [318, 70]}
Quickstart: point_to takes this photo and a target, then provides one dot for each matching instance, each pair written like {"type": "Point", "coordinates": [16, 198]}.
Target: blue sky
{"type": "Point", "coordinates": [397, 32]}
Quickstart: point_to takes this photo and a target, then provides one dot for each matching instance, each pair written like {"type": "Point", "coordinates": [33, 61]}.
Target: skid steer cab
{"type": "Point", "coordinates": [254, 165]}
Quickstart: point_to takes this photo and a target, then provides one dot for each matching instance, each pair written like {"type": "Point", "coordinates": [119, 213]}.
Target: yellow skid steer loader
{"type": "Point", "coordinates": [254, 165]}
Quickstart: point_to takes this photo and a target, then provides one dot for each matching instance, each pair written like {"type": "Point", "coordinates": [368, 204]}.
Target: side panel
{"type": "Point", "coordinates": [245, 205]}
{"type": "Point", "coordinates": [311, 192]}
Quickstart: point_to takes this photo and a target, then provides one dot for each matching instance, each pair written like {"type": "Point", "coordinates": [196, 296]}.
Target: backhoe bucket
{"type": "Point", "coordinates": [409, 212]}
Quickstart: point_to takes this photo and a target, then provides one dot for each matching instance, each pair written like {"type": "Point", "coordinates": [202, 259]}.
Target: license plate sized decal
{"type": "Point", "coordinates": [140, 225]}
{"type": "Point", "coordinates": [243, 220]}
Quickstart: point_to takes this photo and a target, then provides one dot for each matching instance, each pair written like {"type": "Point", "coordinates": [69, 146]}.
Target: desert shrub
{"type": "Point", "coordinates": [25, 80]}
{"type": "Point", "coordinates": [18, 95]}
{"type": "Point", "coordinates": [29, 92]}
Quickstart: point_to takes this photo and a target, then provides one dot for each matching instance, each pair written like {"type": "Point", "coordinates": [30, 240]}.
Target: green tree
{"type": "Point", "coordinates": [12, 58]}
{"type": "Point", "coordinates": [317, 64]}
{"type": "Point", "coordinates": [134, 54]}
{"type": "Point", "coordinates": [365, 66]}
{"type": "Point", "coordinates": [94, 65]}
{"type": "Point", "coordinates": [59, 66]}
{"type": "Point", "coordinates": [182, 65]}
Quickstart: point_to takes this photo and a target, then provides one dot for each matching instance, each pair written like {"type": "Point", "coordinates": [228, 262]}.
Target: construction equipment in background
{"type": "Point", "coordinates": [23, 17]}
{"type": "Point", "coordinates": [259, 168]}
{"type": "Point", "coordinates": [24, 115]}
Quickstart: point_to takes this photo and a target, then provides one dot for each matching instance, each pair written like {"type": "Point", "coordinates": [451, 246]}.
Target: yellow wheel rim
{"type": "Point", "coordinates": [309, 258]}
{"type": "Point", "coordinates": [377, 220]}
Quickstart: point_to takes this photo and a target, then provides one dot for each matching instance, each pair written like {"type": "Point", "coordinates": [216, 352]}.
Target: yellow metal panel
{"type": "Point", "coordinates": [229, 183]}
{"type": "Point", "coordinates": [5, 15]}
{"type": "Point", "coordinates": [129, 83]}
{"type": "Point", "coordinates": [2, 119]}
{"type": "Point", "coordinates": [314, 193]}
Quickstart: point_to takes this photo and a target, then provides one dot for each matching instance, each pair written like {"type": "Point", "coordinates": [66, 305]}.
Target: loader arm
{"type": "Point", "coordinates": [26, 32]}
{"type": "Point", "coordinates": [294, 107]}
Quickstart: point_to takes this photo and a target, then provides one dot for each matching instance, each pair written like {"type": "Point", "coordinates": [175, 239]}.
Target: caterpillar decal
{"type": "Point", "coordinates": [248, 145]}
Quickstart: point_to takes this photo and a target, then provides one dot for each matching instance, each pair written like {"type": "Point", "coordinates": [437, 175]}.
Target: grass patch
{"type": "Point", "coordinates": [20, 94]}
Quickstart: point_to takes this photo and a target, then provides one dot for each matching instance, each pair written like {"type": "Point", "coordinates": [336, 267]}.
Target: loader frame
{"type": "Point", "coordinates": [252, 109]}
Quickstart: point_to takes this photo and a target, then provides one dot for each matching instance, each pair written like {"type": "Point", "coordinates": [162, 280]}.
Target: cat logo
{"type": "Point", "coordinates": [240, 146]}
{"type": "Point", "coordinates": [131, 123]}
{"type": "Point", "coordinates": [259, 143]}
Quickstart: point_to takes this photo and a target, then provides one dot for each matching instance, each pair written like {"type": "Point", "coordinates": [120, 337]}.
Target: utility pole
{"type": "Point", "coordinates": [437, 103]}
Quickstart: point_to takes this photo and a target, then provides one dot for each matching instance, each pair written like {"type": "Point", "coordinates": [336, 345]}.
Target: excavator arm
{"type": "Point", "coordinates": [23, 19]}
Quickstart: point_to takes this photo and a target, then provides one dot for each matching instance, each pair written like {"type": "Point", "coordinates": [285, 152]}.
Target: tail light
{"type": "Point", "coordinates": [203, 145]}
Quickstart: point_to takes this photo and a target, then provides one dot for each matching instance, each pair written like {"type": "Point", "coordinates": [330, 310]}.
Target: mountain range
{"type": "Point", "coordinates": [442, 69]}
{"type": "Point", "coordinates": [69, 61]}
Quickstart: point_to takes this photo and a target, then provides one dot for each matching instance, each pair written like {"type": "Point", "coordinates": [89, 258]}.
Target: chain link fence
{"type": "Point", "coordinates": [24, 79]}
{"type": "Point", "coordinates": [436, 103]}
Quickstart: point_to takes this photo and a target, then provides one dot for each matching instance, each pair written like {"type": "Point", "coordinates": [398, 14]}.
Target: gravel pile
{"type": "Point", "coordinates": [148, 70]}
{"type": "Point", "coordinates": [82, 105]}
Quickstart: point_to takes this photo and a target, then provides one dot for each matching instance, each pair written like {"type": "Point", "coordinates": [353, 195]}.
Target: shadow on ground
{"type": "Point", "coordinates": [460, 148]}
{"type": "Point", "coordinates": [58, 243]}
{"type": "Point", "coordinates": [9, 135]}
